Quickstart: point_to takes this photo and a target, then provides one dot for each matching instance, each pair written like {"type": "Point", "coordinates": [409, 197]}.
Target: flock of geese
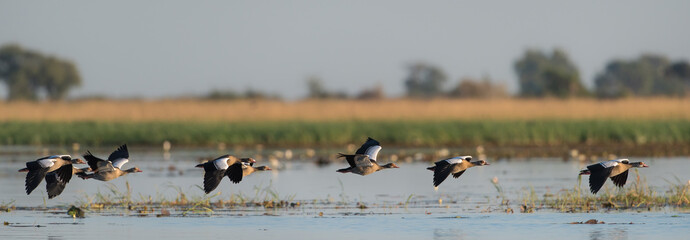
{"type": "Point", "coordinates": [57, 170]}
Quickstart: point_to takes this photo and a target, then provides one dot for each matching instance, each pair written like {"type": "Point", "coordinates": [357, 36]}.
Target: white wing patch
{"type": "Point", "coordinates": [372, 152]}
{"type": "Point", "coordinates": [119, 162]}
{"type": "Point", "coordinates": [46, 163]}
{"type": "Point", "coordinates": [611, 163]}
{"type": "Point", "coordinates": [457, 159]}
{"type": "Point", "coordinates": [221, 163]}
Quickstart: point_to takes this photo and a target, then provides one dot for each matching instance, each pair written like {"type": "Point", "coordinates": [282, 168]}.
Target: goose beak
{"type": "Point", "coordinates": [139, 170]}
{"type": "Point", "coordinates": [268, 169]}
{"type": "Point", "coordinates": [251, 160]}
{"type": "Point", "coordinates": [645, 165]}
{"type": "Point", "coordinates": [79, 161]}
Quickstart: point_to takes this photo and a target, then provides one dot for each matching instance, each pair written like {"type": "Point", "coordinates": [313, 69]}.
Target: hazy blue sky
{"type": "Point", "coordinates": [170, 48]}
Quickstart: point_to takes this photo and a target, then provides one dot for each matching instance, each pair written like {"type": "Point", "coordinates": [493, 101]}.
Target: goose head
{"type": "Point", "coordinates": [480, 163]}
{"type": "Point", "coordinates": [390, 165]}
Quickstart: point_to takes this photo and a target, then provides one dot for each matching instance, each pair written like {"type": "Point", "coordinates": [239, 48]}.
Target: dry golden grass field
{"type": "Point", "coordinates": [339, 110]}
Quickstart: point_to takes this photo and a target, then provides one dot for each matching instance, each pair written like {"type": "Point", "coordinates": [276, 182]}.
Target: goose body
{"type": "Point", "coordinates": [243, 169]}
{"type": "Point", "coordinates": [106, 170]}
{"type": "Point", "coordinates": [38, 169]}
{"type": "Point", "coordinates": [363, 162]}
{"type": "Point", "coordinates": [216, 169]}
{"type": "Point", "coordinates": [617, 170]}
{"type": "Point", "coordinates": [456, 166]}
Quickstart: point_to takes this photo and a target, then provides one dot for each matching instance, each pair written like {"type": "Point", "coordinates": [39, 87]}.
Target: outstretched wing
{"type": "Point", "coordinates": [34, 176]}
{"type": "Point", "coordinates": [619, 180]}
{"type": "Point", "coordinates": [369, 143]}
{"type": "Point", "coordinates": [120, 156]}
{"type": "Point", "coordinates": [93, 161]}
{"type": "Point", "coordinates": [235, 172]}
{"type": "Point", "coordinates": [441, 172]}
{"type": "Point", "coordinates": [597, 177]}
{"type": "Point", "coordinates": [57, 180]}
{"type": "Point", "coordinates": [362, 160]}
{"type": "Point", "coordinates": [212, 179]}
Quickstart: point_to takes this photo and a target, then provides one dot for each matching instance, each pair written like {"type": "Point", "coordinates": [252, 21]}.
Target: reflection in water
{"type": "Point", "coordinates": [443, 234]}
{"type": "Point", "coordinates": [609, 234]}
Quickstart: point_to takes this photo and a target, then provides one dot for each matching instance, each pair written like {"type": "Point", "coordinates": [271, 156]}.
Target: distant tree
{"type": "Point", "coordinates": [471, 88]}
{"type": "Point", "coordinates": [648, 75]}
{"type": "Point", "coordinates": [233, 95]}
{"type": "Point", "coordinates": [317, 91]}
{"type": "Point", "coordinates": [26, 73]}
{"type": "Point", "coordinates": [542, 75]}
{"type": "Point", "coordinates": [424, 81]}
{"type": "Point", "coordinates": [373, 93]}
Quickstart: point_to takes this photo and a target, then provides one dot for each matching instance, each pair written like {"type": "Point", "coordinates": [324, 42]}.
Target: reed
{"type": "Point", "coordinates": [665, 134]}
{"type": "Point", "coordinates": [338, 110]}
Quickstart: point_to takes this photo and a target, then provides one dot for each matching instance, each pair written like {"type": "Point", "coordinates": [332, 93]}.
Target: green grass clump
{"type": "Point", "coordinates": [338, 133]}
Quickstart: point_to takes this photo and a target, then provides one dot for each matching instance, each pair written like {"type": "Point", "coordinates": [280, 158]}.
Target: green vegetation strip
{"type": "Point", "coordinates": [400, 133]}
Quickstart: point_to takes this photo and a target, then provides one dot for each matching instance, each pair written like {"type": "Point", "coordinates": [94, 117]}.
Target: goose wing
{"type": "Point", "coordinates": [441, 172]}
{"type": "Point", "coordinates": [93, 161]}
{"type": "Point", "coordinates": [120, 156]}
{"type": "Point", "coordinates": [57, 180]}
{"type": "Point", "coordinates": [235, 172]}
{"type": "Point", "coordinates": [371, 147]}
{"type": "Point", "coordinates": [458, 174]}
{"type": "Point", "coordinates": [598, 175]}
{"type": "Point", "coordinates": [212, 179]}
{"type": "Point", "coordinates": [34, 176]}
{"type": "Point", "coordinates": [620, 179]}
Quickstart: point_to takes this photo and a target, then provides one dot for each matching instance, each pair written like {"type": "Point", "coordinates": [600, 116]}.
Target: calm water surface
{"type": "Point", "coordinates": [465, 211]}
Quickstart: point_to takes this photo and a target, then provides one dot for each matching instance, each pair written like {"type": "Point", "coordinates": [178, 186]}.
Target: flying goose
{"type": "Point", "coordinates": [238, 170]}
{"type": "Point", "coordinates": [455, 166]}
{"type": "Point", "coordinates": [617, 170]}
{"type": "Point", "coordinates": [55, 184]}
{"type": "Point", "coordinates": [363, 162]}
{"type": "Point", "coordinates": [38, 169]}
{"type": "Point", "coordinates": [215, 170]}
{"type": "Point", "coordinates": [106, 170]}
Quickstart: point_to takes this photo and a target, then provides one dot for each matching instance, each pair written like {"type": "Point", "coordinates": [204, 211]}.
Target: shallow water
{"type": "Point", "coordinates": [465, 212]}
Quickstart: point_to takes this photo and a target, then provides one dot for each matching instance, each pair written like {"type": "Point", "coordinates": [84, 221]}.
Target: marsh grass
{"type": "Point", "coordinates": [115, 199]}
{"type": "Point", "coordinates": [636, 195]}
{"type": "Point", "coordinates": [502, 138]}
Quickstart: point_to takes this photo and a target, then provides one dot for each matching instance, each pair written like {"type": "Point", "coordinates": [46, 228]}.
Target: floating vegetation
{"type": "Point", "coordinates": [75, 212]}
{"type": "Point", "coordinates": [7, 206]}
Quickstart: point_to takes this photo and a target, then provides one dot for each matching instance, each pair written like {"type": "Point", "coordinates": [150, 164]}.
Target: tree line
{"type": "Point", "coordinates": [31, 75]}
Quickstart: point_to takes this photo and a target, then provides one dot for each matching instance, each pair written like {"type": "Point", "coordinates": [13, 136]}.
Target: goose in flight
{"type": "Point", "coordinates": [456, 166]}
{"type": "Point", "coordinates": [38, 169]}
{"type": "Point", "coordinates": [216, 169]}
{"type": "Point", "coordinates": [106, 170]}
{"type": "Point", "coordinates": [363, 162]}
{"type": "Point", "coordinates": [617, 170]}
